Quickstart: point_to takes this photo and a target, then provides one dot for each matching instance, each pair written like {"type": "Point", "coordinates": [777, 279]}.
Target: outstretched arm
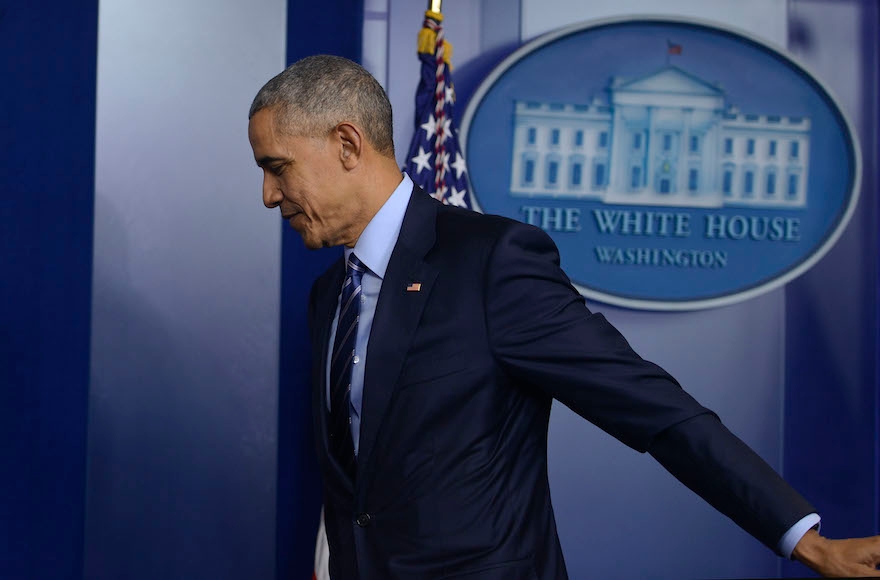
{"type": "Point", "coordinates": [542, 332]}
{"type": "Point", "coordinates": [700, 445]}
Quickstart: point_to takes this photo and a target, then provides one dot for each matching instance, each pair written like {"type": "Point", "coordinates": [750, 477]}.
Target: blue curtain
{"type": "Point", "coordinates": [47, 160]}
{"type": "Point", "coordinates": [332, 27]}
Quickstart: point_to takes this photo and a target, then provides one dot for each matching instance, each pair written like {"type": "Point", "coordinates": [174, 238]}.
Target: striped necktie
{"type": "Point", "coordinates": [341, 443]}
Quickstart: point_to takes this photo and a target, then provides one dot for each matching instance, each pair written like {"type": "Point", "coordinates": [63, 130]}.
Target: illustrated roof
{"type": "Point", "coordinates": [669, 79]}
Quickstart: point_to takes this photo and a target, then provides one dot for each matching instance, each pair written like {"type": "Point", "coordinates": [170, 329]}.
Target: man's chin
{"type": "Point", "coordinates": [312, 244]}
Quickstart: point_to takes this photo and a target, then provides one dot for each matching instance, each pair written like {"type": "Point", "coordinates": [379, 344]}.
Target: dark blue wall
{"type": "Point", "coordinates": [312, 28]}
{"type": "Point", "coordinates": [48, 56]}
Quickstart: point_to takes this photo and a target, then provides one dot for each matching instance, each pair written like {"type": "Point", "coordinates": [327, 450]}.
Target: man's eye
{"type": "Point", "coordinates": [276, 169]}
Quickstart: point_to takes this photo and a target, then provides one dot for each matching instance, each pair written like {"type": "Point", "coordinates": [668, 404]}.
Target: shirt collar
{"type": "Point", "coordinates": [376, 242]}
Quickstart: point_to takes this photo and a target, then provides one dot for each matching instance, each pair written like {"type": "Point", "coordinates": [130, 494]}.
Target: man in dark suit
{"type": "Point", "coordinates": [441, 340]}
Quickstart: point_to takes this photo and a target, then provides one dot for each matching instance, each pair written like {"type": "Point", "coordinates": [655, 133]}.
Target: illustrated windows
{"type": "Point", "coordinates": [532, 136]}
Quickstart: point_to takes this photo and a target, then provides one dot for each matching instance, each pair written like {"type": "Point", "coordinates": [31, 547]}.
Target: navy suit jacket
{"type": "Point", "coordinates": [452, 465]}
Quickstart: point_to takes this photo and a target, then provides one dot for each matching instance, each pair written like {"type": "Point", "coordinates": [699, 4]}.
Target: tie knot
{"type": "Point", "coordinates": [354, 264]}
{"type": "Point", "coordinates": [354, 268]}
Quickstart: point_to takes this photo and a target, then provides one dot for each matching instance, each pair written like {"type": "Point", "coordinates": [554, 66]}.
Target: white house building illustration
{"type": "Point", "coordinates": [665, 139]}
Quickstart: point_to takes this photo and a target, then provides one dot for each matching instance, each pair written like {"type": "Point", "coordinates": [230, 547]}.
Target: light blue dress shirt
{"type": "Point", "coordinates": [373, 249]}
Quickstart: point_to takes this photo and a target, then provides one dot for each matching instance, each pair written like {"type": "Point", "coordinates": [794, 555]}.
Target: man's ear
{"type": "Point", "coordinates": [352, 144]}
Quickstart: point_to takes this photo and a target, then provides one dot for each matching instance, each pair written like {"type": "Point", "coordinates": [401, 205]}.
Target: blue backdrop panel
{"type": "Point", "coordinates": [333, 27]}
{"type": "Point", "coordinates": [47, 137]}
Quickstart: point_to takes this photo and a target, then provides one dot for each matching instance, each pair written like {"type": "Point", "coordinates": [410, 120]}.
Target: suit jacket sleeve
{"type": "Point", "coordinates": [542, 333]}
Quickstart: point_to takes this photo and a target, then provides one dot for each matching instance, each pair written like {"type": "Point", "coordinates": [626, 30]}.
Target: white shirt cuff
{"type": "Point", "coordinates": [796, 532]}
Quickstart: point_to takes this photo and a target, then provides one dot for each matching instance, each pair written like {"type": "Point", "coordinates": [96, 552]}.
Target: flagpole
{"type": "Point", "coordinates": [434, 5]}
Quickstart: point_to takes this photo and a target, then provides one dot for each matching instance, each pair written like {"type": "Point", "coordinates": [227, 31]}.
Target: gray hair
{"type": "Point", "coordinates": [313, 95]}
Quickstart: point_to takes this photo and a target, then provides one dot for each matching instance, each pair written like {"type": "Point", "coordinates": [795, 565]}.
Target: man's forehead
{"type": "Point", "coordinates": [259, 124]}
{"type": "Point", "coordinates": [276, 136]}
{"type": "Point", "coordinates": [263, 129]}
{"type": "Point", "coordinates": [264, 141]}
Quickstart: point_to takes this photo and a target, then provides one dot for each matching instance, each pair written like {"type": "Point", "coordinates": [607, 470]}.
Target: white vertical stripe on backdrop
{"type": "Point", "coordinates": [374, 48]}
{"type": "Point", "coordinates": [185, 322]}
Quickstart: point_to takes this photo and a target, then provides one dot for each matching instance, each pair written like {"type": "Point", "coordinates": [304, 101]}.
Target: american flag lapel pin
{"type": "Point", "coordinates": [414, 287]}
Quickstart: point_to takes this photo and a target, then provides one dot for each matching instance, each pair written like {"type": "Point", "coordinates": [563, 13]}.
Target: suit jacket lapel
{"type": "Point", "coordinates": [397, 316]}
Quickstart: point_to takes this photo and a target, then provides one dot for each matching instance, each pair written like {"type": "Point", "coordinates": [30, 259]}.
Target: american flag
{"type": "Point", "coordinates": [434, 161]}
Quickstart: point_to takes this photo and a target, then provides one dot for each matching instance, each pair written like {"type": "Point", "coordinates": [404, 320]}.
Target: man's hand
{"type": "Point", "coordinates": [855, 558]}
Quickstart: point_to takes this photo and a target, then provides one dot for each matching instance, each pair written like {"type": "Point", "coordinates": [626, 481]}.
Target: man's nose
{"type": "Point", "coordinates": [271, 193]}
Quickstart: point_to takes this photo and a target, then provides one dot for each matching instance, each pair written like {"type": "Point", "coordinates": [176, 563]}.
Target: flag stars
{"type": "Point", "coordinates": [456, 198]}
{"type": "Point", "coordinates": [459, 165]}
{"type": "Point", "coordinates": [430, 126]}
{"type": "Point", "coordinates": [422, 160]}
{"type": "Point", "coordinates": [450, 94]}
{"type": "Point", "coordinates": [444, 161]}
{"type": "Point", "coordinates": [444, 131]}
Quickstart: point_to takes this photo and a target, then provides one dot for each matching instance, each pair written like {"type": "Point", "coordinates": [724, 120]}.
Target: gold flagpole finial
{"type": "Point", "coordinates": [434, 5]}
